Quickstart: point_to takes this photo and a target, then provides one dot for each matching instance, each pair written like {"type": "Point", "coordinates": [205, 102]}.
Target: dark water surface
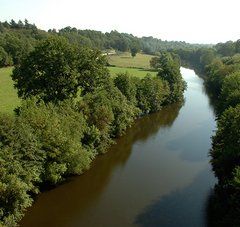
{"type": "Point", "coordinates": [158, 174]}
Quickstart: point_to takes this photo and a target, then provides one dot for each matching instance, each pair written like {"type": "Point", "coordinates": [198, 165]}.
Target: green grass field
{"type": "Point", "coordinates": [127, 61]}
{"type": "Point", "coordinates": [132, 71]}
{"type": "Point", "coordinates": [8, 95]}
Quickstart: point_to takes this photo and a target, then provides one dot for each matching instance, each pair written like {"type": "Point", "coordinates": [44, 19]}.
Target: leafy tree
{"type": "Point", "coordinates": [225, 150]}
{"type": "Point", "coordinates": [230, 94]}
{"type": "Point", "coordinates": [207, 56]}
{"type": "Point", "coordinates": [13, 24]}
{"type": "Point", "coordinates": [98, 109]}
{"type": "Point", "coordinates": [49, 72]}
{"type": "Point", "coordinates": [117, 113]}
{"type": "Point", "coordinates": [41, 145]}
{"type": "Point", "coordinates": [226, 49]}
{"type": "Point", "coordinates": [92, 71]}
{"type": "Point", "coordinates": [5, 59]}
{"type": "Point", "coordinates": [16, 48]}
{"type": "Point", "coordinates": [56, 70]}
{"type": "Point", "coordinates": [154, 63]}
{"type": "Point", "coordinates": [19, 169]}
{"type": "Point", "coordinates": [152, 94]}
{"type": "Point", "coordinates": [134, 48]}
{"type": "Point", "coordinates": [237, 45]}
{"type": "Point", "coordinates": [126, 84]}
{"type": "Point", "coordinates": [59, 130]}
{"type": "Point", "coordinates": [134, 51]}
{"type": "Point", "coordinates": [169, 70]}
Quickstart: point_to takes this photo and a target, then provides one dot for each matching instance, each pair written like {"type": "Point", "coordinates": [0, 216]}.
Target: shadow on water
{"type": "Point", "coordinates": [180, 208]}
{"type": "Point", "coordinates": [149, 125]}
{"type": "Point", "coordinates": [213, 100]}
{"type": "Point", "coordinates": [68, 202]}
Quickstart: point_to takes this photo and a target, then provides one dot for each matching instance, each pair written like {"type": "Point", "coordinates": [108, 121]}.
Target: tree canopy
{"type": "Point", "coordinates": [57, 70]}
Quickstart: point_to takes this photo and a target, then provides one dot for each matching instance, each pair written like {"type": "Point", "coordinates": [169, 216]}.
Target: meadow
{"type": "Point", "coordinates": [138, 66]}
{"type": "Point", "coordinates": [127, 61]}
{"type": "Point", "coordinates": [132, 71]}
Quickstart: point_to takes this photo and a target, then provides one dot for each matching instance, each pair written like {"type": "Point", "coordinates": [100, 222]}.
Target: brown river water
{"type": "Point", "coordinates": [158, 174]}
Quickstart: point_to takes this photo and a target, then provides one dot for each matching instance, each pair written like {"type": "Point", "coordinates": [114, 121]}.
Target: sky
{"type": "Point", "coordinates": [202, 21]}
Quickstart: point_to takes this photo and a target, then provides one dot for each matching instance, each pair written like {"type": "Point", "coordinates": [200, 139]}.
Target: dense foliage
{"type": "Point", "coordinates": [55, 71]}
{"type": "Point", "coordinates": [168, 66]}
{"type": "Point", "coordinates": [71, 111]}
{"type": "Point", "coordinates": [169, 70]}
{"type": "Point", "coordinates": [17, 40]}
{"type": "Point", "coordinates": [41, 145]}
{"type": "Point", "coordinates": [225, 150]}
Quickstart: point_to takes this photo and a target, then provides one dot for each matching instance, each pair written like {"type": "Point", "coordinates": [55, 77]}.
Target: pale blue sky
{"type": "Point", "coordinates": [205, 21]}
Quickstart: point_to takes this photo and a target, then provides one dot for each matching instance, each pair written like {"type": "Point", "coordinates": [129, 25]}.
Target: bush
{"type": "Point", "coordinates": [20, 169]}
{"type": "Point", "coordinates": [230, 93]}
{"type": "Point", "coordinates": [126, 84]}
{"type": "Point", "coordinates": [59, 130]}
{"type": "Point", "coordinates": [110, 112]}
{"type": "Point", "coordinates": [152, 93]}
{"type": "Point", "coordinates": [168, 66]}
{"type": "Point", "coordinates": [42, 145]}
{"type": "Point", "coordinates": [225, 146]}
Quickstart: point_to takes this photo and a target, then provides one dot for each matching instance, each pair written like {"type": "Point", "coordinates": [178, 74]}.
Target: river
{"type": "Point", "coordinates": [158, 174]}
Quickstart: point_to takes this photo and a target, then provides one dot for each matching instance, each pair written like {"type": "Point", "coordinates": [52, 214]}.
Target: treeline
{"type": "Point", "coordinates": [120, 41]}
{"type": "Point", "coordinates": [222, 78]}
{"type": "Point", "coordinates": [154, 46]}
{"type": "Point", "coordinates": [17, 39]}
{"type": "Point", "coordinates": [71, 111]}
{"type": "Point", "coordinates": [199, 58]}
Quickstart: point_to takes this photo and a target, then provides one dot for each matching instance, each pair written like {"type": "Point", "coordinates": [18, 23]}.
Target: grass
{"type": "Point", "coordinates": [132, 71]}
{"type": "Point", "coordinates": [8, 95]}
{"type": "Point", "coordinates": [127, 61]}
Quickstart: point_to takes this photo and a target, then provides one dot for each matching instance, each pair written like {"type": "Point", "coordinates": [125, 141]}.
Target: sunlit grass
{"type": "Point", "coordinates": [126, 60]}
{"type": "Point", "coordinates": [132, 71]}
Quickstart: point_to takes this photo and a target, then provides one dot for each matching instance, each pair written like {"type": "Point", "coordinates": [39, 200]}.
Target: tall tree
{"type": "Point", "coordinates": [57, 70]}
